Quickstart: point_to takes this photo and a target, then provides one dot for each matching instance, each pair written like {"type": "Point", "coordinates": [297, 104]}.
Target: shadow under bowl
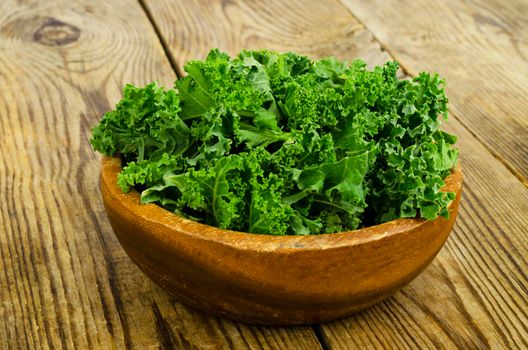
{"type": "Point", "coordinates": [265, 279]}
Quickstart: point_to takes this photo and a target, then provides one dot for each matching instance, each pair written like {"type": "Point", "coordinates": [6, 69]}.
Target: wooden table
{"type": "Point", "coordinates": [66, 283]}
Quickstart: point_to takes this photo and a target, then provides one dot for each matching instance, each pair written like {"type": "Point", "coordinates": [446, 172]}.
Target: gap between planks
{"type": "Point", "coordinates": [407, 71]}
{"type": "Point", "coordinates": [174, 64]}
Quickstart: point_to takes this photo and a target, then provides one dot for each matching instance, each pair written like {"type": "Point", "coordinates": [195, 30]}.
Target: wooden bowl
{"type": "Point", "coordinates": [264, 279]}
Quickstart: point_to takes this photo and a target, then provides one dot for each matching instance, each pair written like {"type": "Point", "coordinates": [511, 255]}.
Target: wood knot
{"type": "Point", "coordinates": [56, 33]}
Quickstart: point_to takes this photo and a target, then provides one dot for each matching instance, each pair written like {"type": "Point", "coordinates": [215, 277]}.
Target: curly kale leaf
{"type": "Point", "coordinates": [145, 124]}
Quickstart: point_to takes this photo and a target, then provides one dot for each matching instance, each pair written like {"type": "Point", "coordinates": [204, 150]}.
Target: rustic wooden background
{"type": "Point", "coordinates": [66, 283]}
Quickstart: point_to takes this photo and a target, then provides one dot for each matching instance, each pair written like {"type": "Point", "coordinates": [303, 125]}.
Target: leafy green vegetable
{"type": "Point", "coordinates": [276, 143]}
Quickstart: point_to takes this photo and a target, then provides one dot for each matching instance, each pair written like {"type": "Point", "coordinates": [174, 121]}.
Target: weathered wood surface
{"type": "Point", "coordinates": [480, 47]}
{"type": "Point", "coordinates": [64, 280]}
{"type": "Point", "coordinates": [191, 28]}
{"type": "Point", "coordinates": [474, 295]}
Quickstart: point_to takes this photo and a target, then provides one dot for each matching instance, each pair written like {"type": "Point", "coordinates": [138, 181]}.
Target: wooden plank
{"type": "Point", "coordinates": [191, 28]}
{"type": "Point", "coordinates": [64, 280]}
{"type": "Point", "coordinates": [474, 294]}
{"type": "Point", "coordinates": [480, 47]}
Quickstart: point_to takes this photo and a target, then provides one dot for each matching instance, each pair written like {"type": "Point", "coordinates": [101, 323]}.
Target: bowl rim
{"type": "Point", "coordinates": [153, 214]}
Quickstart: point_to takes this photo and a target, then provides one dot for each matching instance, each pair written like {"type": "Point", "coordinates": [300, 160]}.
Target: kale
{"type": "Point", "coordinates": [277, 143]}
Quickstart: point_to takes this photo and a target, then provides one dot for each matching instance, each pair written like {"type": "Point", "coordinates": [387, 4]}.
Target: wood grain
{"type": "Point", "coordinates": [65, 282]}
{"type": "Point", "coordinates": [475, 293]}
{"type": "Point", "coordinates": [480, 47]}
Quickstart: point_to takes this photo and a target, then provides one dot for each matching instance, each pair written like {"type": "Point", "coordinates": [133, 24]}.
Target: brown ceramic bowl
{"type": "Point", "coordinates": [266, 279]}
